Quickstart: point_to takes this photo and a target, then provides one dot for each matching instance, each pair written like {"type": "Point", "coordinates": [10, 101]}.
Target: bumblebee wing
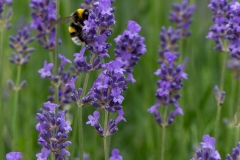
{"type": "Point", "coordinates": [63, 20]}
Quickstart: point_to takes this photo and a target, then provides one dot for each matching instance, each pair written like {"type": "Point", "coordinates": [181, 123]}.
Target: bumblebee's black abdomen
{"type": "Point", "coordinates": [76, 34]}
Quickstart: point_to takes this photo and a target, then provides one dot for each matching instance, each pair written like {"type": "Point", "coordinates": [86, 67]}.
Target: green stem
{"type": "Point", "coordinates": [2, 149]}
{"type": "Point", "coordinates": [80, 120]}
{"type": "Point", "coordinates": [56, 37]}
{"type": "Point", "coordinates": [106, 147]}
{"type": "Point", "coordinates": [219, 105]}
{"type": "Point", "coordinates": [50, 56]}
{"type": "Point", "coordinates": [15, 108]}
{"type": "Point", "coordinates": [238, 111]}
{"type": "Point", "coordinates": [164, 132]}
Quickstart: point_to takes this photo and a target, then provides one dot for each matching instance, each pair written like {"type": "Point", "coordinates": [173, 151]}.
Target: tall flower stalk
{"type": "Point", "coordinates": [20, 57]}
{"type": "Point", "coordinates": [5, 17]}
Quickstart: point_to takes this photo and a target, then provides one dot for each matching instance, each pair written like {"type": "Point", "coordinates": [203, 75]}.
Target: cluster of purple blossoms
{"type": "Point", "coordinates": [235, 153]}
{"type": "Point", "coordinates": [219, 30]}
{"type": "Point", "coordinates": [97, 28]}
{"type": "Point", "coordinates": [89, 4]}
{"type": "Point", "coordinates": [129, 48]}
{"type": "Point", "coordinates": [234, 29]}
{"type": "Point", "coordinates": [14, 156]}
{"type": "Point", "coordinates": [181, 16]}
{"type": "Point", "coordinates": [168, 42]}
{"type": "Point", "coordinates": [60, 80]}
{"type": "Point", "coordinates": [169, 86]}
{"type": "Point", "coordinates": [42, 20]}
{"type": "Point", "coordinates": [53, 131]}
{"type": "Point", "coordinates": [106, 93]}
{"type": "Point", "coordinates": [95, 32]}
{"type": "Point", "coordinates": [20, 45]}
{"type": "Point", "coordinates": [208, 151]}
{"type": "Point", "coordinates": [115, 155]}
{"type": "Point", "coordinates": [5, 19]}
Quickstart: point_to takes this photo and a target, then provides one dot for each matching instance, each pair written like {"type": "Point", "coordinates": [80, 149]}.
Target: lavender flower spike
{"type": "Point", "coordinates": [115, 155]}
{"type": "Point", "coordinates": [14, 156]}
{"type": "Point", "coordinates": [53, 131]}
{"type": "Point", "coordinates": [20, 45]}
{"type": "Point", "coordinates": [181, 16]}
{"type": "Point", "coordinates": [5, 20]}
{"type": "Point", "coordinates": [130, 47]}
{"type": "Point", "coordinates": [43, 16]}
{"type": "Point", "coordinates": [235, 153]}
{"type": "Point", "coordinates": [169, 85]}
{"type": "Point", "coordinates": [208, 150]}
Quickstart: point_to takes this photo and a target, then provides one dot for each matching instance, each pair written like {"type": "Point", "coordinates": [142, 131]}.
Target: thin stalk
{"type": "Point", "coordinates": [164, 132]}
{"type": "Point", "coordinates": [2, 149]}
{"type": "Point", "coordinates": [219, 107]}
{"type": "Point", "coordinates": [80, 115]}
{"type": "Point", "coordinates": [238, 111]}
{"type": "Point", "coordinates": [15, 108]}
{"type": "Point", "coordinates": [106, 147]}
{"type": "Point", "coordinates": [56, 36]}
{"type": "Point", "coordinates": [74, 135]}
{"type": "Point", "coordinates": [50, 56]}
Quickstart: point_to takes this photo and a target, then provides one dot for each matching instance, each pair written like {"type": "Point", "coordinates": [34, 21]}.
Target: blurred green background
{"type": "Point", "coordinates": [140, 137]}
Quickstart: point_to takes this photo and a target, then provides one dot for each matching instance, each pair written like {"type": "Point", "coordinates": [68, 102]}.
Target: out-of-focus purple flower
{"type": "Point", "coordinates": [235, 153]}
{"type": "Point", "coordinates": [43, 16]}
{"type": "Point", "coordinates": [208, 150]}
{"type": "Point", "coordinates": [64, 60]}
{"type": "Point", "coordinates": [46, 70]}
{"type": "Point", "coordinates": [53, 131]}
{"type": "Point", "coordinates": [115, 155]}
{"type": "Point", "coordinates": [130, 47]}
{"type": "Point", "coordinates": [14, 156]}
{"type": "Point", "coordinates": [97, 28]}
{"type": "Point", "coordinates": [71, 83]}
{"type": "Point", "coordinates": [234, 47]}
{"type": "Point", "coordinates": [50, 106]}
{"type": "Point", "coordinates": [234, 65]}
{"type": "Point", "coordinates": [182, 17]}
{"type": "Point", "coordinates": [5, 21]}
{"type": "Point", "coordinates": [43, 155]}
{"type": "Point", "coordinates": [169, 86]}
{"type": "Point", "coordinates": [220, 96]}
{"type": "Point", "coordinates": [93, 120]}
{"type": "Point", "coordinates": [220, 30]}
{"type": "Point", "coordinates": [20, 45]}
{"type": "Point", "coordinates": [168, 41]}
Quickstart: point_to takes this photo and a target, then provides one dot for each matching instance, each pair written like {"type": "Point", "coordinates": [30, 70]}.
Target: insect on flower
{"type": "Point", "coordinates": [75, 28]}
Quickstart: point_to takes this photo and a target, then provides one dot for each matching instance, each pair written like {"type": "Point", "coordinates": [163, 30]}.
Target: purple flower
{"type": "Point", "coordinates": [115, 155]}
{"type": "Point", "coordinates": [71, 83]}
{"type": "Point", "coordinates": [169, 85]}
{"type": "Point", "coordinates": [6, 20]}
{"type": "Point", "coordinates": [93, 120]}
{"type": "Point", "coordinates": [235, 153]}
{"type": "Point", "coordinates": [20, 45]}
{"type": "Point", "coordinates": [97, 27]}
{"type": "Point", "coordinates": [43, 16]}
{"type": "Point", "coordinates": [168, 41]}
{"type": "Point", "coordinates": [219, 30]}
{"type": "Point", "coordinates": [14, 156]}
{"type": "Point", "coordinates": [181, 16]}
{"type": "Point", "coordinates": [220, 96]}
{"type": "Point", "coordinates": [208, 150]}
{"type": "Point", "coordinates": [53, 131]}
{"type": "Point", "coordinates": [46, 70]}
{"type": "Point", "coordinates": [129, 48]}
{"type": "Point", "coordinates": [51, 106]}
{"type": "Point", "coordinates": [43, 155]}
{"type": "Point", "coordinates": [64, 60]}
{"type": "Point", "coordinates": [234, 48]}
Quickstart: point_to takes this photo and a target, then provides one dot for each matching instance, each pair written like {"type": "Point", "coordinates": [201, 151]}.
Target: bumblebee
{"type": "Point", "coordinates": [75, 28]}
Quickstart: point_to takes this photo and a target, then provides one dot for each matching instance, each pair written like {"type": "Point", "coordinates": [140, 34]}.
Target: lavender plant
{"type": "Point", "coordinates": [53, 131]}
{"type": "Point", "coordinates": [208, 151]}
{"type": "Point", "coordinates": [19, 57]}
{"type": "Point", "coordinates": [115, 155]}
{"type": "Point", "coordinates": [171, 74]}
{"type": "Point", "coordinates": [235, 153]}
